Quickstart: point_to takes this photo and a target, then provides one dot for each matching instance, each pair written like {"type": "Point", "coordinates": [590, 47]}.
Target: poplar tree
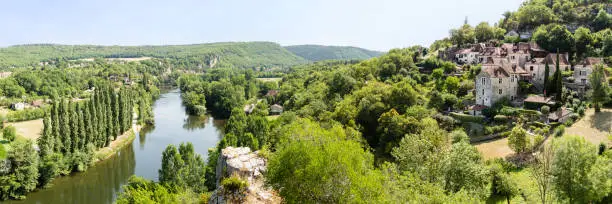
{"type": "Point", "coordinates": [109, 116]}
{"type": "Point", "coordinates": [115, 113]}
{"type": "Point", "coordinates": [45, 142]}
{"type": "Point", "coordinates": [74, 127]}
{"type": "Point", "coordinates": [121, 116]}
{"type": "Point", "coordinates": [81, 125]}
{"type": "Point", "coordinates": [87, 123]}
{"type": "Point", "coordinates": [55, 125]}
{"type": "Point", "coordinates": [94, 121]}
{"type": "Point", "coordinates": [65, 130]}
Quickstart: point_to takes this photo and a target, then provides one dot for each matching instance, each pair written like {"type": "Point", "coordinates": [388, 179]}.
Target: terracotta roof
{"type": "Point", "coordinates": [591, 61]}
{"type": "Point", "coordinates": [496, 71]}
{"type": "Point", "coordinates": [492, 51]}
{"type": "Point", "coordinates": [551, 58]}
{"type": "Point", "coordinates": [539, 99]}
{"type": "Point", "coordinates": [464, 51]}
{"type": "Point", "coordinates": [478, 107]}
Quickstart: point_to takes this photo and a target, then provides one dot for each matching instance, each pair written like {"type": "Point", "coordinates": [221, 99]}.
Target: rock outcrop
{"type": "Point", "coordinates": [249, 166]}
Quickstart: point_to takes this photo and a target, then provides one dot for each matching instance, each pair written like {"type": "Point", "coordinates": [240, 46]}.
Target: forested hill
{"type": "Point", "coordinates": [228, 54]}
{"type": "Point", "coordinates": [320, 52]}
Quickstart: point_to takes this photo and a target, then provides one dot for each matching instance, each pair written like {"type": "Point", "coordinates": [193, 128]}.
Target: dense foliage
{"type": "Point", "coordinates": [320, 52]}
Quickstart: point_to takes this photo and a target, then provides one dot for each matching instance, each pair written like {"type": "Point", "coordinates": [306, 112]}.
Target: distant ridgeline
{"type": "Point", "coordinates": [224, 54]}
{"type": "Point", "coordinates": [320, 52]}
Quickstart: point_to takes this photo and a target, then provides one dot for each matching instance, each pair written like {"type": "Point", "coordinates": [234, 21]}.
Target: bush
{"type": "Point", "coordinates": [9, 133]}
{"type": "Point", "coordinates": [560, 130]}
{"type": "Point", "coordinates": [2, 152]}
{"type": "Point", "coordinates": [501, 118]}
{"type": "Point", "coordinates": [495, 129]}
{"type": "Point", "coordinates": [571, 79]}
{"type": "Point", "coordinates": [234, 184]}
{"type": "Point", "coordinates": [25, 114]}
{"type": "Point", "coordinates": [467, 118]}
{"type": "Point", "coordinates": [537, 140]}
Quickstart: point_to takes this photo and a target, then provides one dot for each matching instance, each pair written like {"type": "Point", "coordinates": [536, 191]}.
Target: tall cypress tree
{"type": "Point", "coordinates": [109, 116]}
{"type": "Point", "coordinates": [546, 74]}
{"type": "Point", "coordinates": [94, 121]}
{"type": "Point", "coordinates": [558, 82]}
{"type": "Point", "coordinates": [81, 125]}
{"type": "Point", "coordinates": [55, 126]}
{"type": "Point", "coordinates": [121, 116]}
{"type": "Point", "coordinates": [115, 113]}
{"type": "Point", "coordinates": [74, 126]}
{"type": "Point", "coordinates": [65, 127]}
{"type": "Point", "coordinates": [87, 123]}
{"type": "Point", "coordinates": [46, 140]}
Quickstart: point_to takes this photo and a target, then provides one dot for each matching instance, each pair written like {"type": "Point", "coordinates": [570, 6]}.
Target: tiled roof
{"type": "Point", "coordinates": [591, 61]}
{"type": "Point", "coordinates": [539, 99]}
{"type": "Point", "coordinates": [478, 107]}
{"type": "Point", "coordinates": [551, 58]}
{"type": "Point", "coordinates": [496, 71]}
{"type": "Point", "coordinates": [464, 51]}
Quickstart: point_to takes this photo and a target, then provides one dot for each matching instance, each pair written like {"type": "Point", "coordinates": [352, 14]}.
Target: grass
{"type": "Point", "coordinates": [494, 148]}
{"type": "Point", "coordinates": [272, 117]}
{"type": "Point", "coordinates": [31, 129]}
{"type": "Point", "coordinates": [594, 127]}
{"type": "Point", "coordinates": [115, 145]}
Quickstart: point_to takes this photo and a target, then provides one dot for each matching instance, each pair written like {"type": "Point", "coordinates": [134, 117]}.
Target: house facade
{"type": "Point", "coordinates": [584, 69]}
{"type": "Point", "coordinates": [537, 67]}
{"type": "Point", "coordinates": [466, 56]}
{"type": "Point", "coordinates": [496, 81]}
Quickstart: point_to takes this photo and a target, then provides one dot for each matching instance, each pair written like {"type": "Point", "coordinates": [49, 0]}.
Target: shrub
{"type": "Point", "coordinates": [560, 130]}
{"type": "Point", "coordinates": [467, 118]}
{"type": "Point", "coordinates": [571, 79]}
{"type": "Point", "coordinates": [26, 114]}
{"type": "Point", "coordinates": [495, 129]}
{"type": "Point", "coordinates": [9, 133]}
{"type": "Point", "coordinates": [537, 140]}
{"type": "Point", "coordinates": [545, 110]}
{"type": "Point", "coordinates": [234, 184]}
{"type": "Point", "coordinates": [501, 118]}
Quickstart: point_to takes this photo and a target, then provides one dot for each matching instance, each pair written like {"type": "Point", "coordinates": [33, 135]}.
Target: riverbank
{"type": "Point", "coordinates": [117, 144]}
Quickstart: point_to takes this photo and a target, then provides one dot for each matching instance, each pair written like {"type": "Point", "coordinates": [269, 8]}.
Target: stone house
{"type": "Point", "coordinates": [466, 56]}
{"type": "Point", "coordinates": [584, 69]}
{"type": "Point", "coordinates": [497, 80]}
{"type": "Point", "coordinates": [537, 66]}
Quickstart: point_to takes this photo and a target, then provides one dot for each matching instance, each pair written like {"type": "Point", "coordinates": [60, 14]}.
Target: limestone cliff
{"type": "Point", "coordinates": [250, 167]}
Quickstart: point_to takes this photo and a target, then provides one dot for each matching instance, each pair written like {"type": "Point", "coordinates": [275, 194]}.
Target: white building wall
{"type": "Point", "coordinates": [581, 74]}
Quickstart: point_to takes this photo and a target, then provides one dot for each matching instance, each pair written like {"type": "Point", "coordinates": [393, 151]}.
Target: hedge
{"type": "Point", "coordinates": [467, 118]}
{"type": "Point", "coordinates": [25, 114]}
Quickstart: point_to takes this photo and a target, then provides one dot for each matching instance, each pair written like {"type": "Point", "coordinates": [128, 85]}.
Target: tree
{"type": "Point", "coordinates": [172, 163]}
{"type": "Point", "coordinates": [46, 140]}
{"type": "Point", "coordinates": [518, 140]}
{"type": "Point", "coordinates": [599, 87]}
{"type": "Point", "coordinates": [572, 162]}
{"type": "Point", "coordinates": [541, 171]}
{"type": "Point", "coordinates": [530, 16]}
{"type": "Point", "coordinates": [9, 133]}
{"type": "Point", "coordinates": [554, 37]}
{"type": "Point", "coordinates": [602, 21]}
{"type": "Point", "coordinates": [463, 35]}
{"type": "Point", "coordinates": [452, 84]}
{"type": "Point", "coordinates": [584, 39]}
{"type": "Point", "coordinates": [392, 128]}
{"type": "Point", "coordinates": [237, 123]}
{"type": "Point", "coordinates": [502, 184]}
{"type": "Point", "coordinates": [24, 171]}
{"type": "Point", "coordinates": [463, 170]}
{"type": "Point", "coordinates": [484, 32]}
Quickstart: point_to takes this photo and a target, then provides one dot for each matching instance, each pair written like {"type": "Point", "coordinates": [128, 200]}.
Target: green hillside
{"type": "Point", "coordinates": [320, 52]}
{"type": "Point", "coordinates": [229, 54]}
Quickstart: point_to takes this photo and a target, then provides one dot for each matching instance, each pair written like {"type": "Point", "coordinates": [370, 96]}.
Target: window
{"type": "Point", "coordinates": [512, 57]}
{"type": "Point", "coordinates": [500, 91]}
{"type": "Point", "coordinates": [512, 79]}
{"type": "Point", "coordinates": [483, 92]}
{"type": "Point", "coordinates": [500, 80]}
{"type": "Point", "coordinates": [483, 80]}
{"type": "Point", "coordinates": [531, 68]}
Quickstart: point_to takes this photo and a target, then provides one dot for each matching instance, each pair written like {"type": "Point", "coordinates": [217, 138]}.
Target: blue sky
{"type": "Point", "coordinates": [372, 24]}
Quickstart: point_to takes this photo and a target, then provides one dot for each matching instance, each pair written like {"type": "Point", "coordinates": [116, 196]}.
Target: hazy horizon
{"type": "Point", "coordinates": [380, 25]}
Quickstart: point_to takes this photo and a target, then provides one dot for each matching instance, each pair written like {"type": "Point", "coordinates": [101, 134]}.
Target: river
{"type": "Point", "coordinates": [101, 183]}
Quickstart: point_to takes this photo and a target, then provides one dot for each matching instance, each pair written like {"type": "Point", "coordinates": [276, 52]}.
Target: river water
{"type": "Point", "coordinates": [101, 183]}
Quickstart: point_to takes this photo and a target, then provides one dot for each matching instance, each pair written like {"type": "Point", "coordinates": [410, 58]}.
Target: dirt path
{"type": "Point", "coordinates": [594, 127]}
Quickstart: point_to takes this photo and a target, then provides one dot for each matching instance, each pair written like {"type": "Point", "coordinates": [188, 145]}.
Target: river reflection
{"type": "Point", "coordinates": [101, 183]}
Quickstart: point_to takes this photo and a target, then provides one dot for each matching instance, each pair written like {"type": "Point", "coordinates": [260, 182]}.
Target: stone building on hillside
{"type": "Point", "coordinates": [584, 69]}
{"type": "Point", "coordinates": [498, 79]}
{"type": "Point", "coordinates": [537, 66]}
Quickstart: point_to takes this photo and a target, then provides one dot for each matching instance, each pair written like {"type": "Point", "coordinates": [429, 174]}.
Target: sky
{"type": "Point", "coordinates": [372, 24]}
